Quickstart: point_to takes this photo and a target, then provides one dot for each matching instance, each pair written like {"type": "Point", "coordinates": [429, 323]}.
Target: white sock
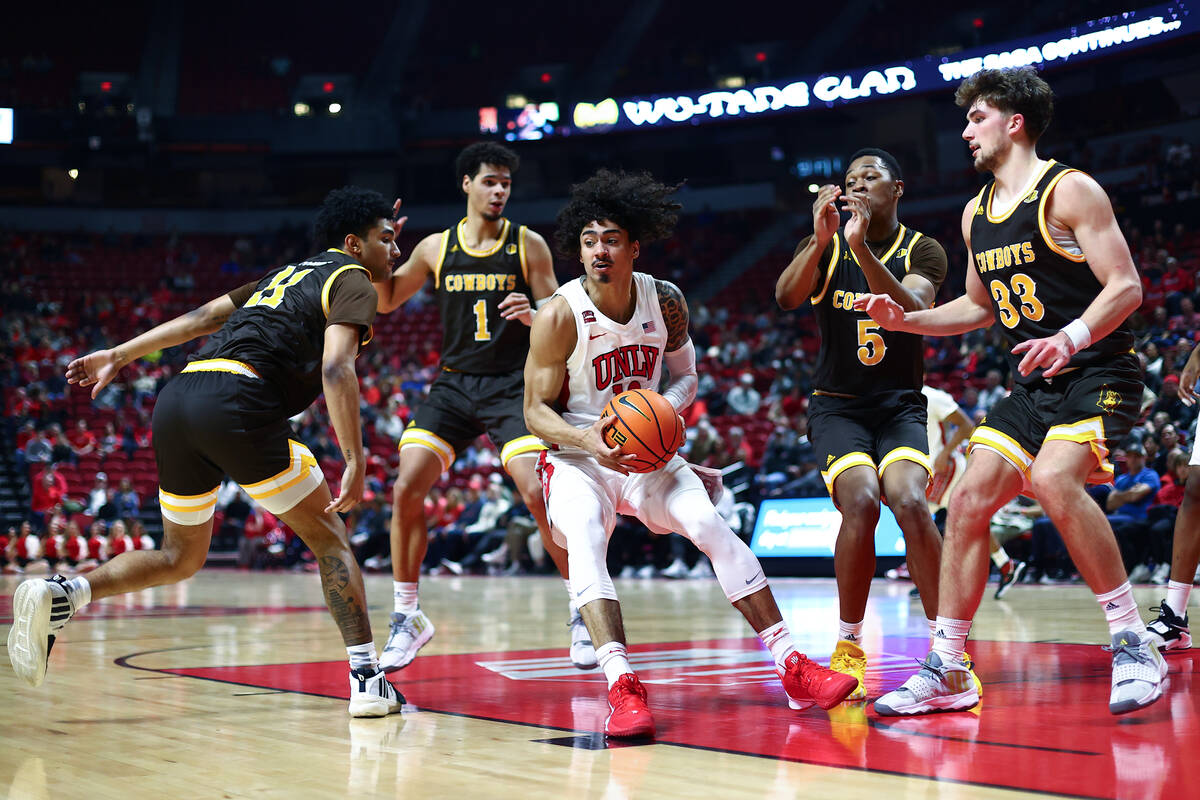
{"type": "Point", "coordinates": [932, 623]}
{"type": "Point", "coordinates": [1121, 610]}
{"type": "Point", "coordinates": [850, 631]}
{"type": "Point", "coordinates": [1177, 596]}
{"type": "Point", "coordinates": [1000, 558]}
{"type": "Point", "coordinates": [405, 597]}
{"type": "Point", "coordinates": [950, 638]}
{"type": "Point", "coordinates": [570, 597]}
{"type": "Point", "coordinates": [778, 640]}
{"type": "Point", "coordinates": [614, 660]}
{"type": "Point", "coordinates": [79, 591]}
{"type": "Point", "coordinates": [362, 656]}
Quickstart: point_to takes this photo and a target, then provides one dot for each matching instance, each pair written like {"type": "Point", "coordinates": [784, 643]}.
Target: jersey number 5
{"type": "Point", "coordinates": [870, 344]}
{"type": "Point", "coordinates": [272, 296]}
{"type": "Point", "coordinates": [1026, 291]}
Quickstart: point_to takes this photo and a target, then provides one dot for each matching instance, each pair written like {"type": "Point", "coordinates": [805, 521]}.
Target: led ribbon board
{"type": "Point", "coordinates": [1107, 35]}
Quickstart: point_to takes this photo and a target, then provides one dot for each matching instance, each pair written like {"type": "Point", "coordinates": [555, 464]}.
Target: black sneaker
{"type": "Point", "coordinates": [1169, 631]}
{"type": "Point", "coordinates": [1009, 576]}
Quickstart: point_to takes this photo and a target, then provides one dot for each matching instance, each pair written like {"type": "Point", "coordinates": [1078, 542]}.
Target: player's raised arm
{"type": "Point", "coordinates": [98, 369]}
{"type": "Point", "coordinates": [799, 278]}
{"type": "Point", "coordinates": [408, 278]}
{"type": "Point", "coordinates": [551, 341]}
{"type": "Point", "coordinates": [539, 274]}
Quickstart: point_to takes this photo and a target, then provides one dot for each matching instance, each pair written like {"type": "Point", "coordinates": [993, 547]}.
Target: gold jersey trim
{"type": "Point", "coordinates": [437, 268]}
{"type": "Point", "coordinates": [329, 284]}
{"type": "Point", "coordinates": [501, 238]}
{"type": "Point", "coordinates": [1041, 219]}
{"type": "Point", "coordinates": [833, 262]}
{"type": "Point", "coordinates": [1029, 187]}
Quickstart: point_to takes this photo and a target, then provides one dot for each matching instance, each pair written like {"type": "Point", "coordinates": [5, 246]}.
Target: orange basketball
{"type": "Point", "coordinates": [647, 426]}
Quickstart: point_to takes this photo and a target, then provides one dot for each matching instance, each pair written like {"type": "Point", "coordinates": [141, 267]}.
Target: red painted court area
{"type": "Point", "coordinates": [1043, 724]}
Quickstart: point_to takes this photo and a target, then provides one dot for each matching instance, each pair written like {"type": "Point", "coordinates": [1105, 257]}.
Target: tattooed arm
{"type": "Point", "coordinates": [99, 368]}
{"type": "Point", "coordinates": [680, 356]}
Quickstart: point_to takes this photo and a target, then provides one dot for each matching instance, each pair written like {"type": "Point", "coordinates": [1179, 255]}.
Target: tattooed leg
{"type": "Point", "coordinates": [325, 534]}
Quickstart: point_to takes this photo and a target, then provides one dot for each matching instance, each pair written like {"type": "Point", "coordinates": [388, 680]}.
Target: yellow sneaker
{"type": "Point", "coordinates": [849, 659]}
{"type": "Point", "coordinates": [970, 665]}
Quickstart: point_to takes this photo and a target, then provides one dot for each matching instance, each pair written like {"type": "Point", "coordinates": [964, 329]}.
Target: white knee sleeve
{"type": "Point", "coordinates": [587, 559]}
{"type": "Point", "coordinates": [738, 571]}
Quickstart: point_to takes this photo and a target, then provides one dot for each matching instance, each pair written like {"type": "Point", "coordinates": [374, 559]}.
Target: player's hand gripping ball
{"type": "Point", "coordinates": [647, 426]}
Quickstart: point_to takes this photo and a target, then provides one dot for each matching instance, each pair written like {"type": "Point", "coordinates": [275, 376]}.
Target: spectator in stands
{"type": "Point", "coordinates": [83, 441]}
{"type": "Point", "coordinates": [98, 496]}
{"type": "Point", "coordinates": [1132, 493]}
{"type": "Point", "coordinates": [119, 540]}
{"type": "Point", "coordinates": [1187, 322]}
{"type": "Point", "coordinates": [702, 440]}
{"type": "Point", "coordinates": [253, 546]}
{"type": "Point", "coordinates": [126, 499]}
{"type": "Point", "coordinates": [1166, 443]}
{"type": "Point", "coordinates": [1177, 284]}
{"type": "Point", "coordinates": [992, 390]}
{"type": "Point", "coordinates": [733, 450]}
{"type": "Point", "coordinates": [110, 441]}
{"type": "Point", "coordinates": [1170, 402]}
{"type": "Point", "coordinates": [97, 542]}
{"type": "Point", "coordinates": [74, 551]}
{"type": "Point", "coordinates": [744, 398]}
{"type": "Point", "coordinates": [39, 449]}
{"type": "Point", "coordinates": [49, 491]}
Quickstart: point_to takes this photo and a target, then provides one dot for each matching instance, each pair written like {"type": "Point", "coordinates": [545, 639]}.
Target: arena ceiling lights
{"type": "Point", "coordinates": [1118, 33]}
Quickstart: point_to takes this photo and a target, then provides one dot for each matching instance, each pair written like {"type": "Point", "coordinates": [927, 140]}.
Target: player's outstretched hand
{"type": "Point", "coordinates": [1052, 354]}
{"type": "Point", "coordinates": [351, 491]}
{"type": "Point", "coordinates": [883, 309]}
{"type": "Point", "coordinates": [95, 369]}
{"type": "Point", "coordinates": [610, 457]}
{"type": "Point", "coordinates": [515, 305]}
{"type": "Point", "coordinates": [1188, 378]}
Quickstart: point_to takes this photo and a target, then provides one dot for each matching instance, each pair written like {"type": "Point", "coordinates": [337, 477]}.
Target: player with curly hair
{"type": "Point", "coordinates": [275, 345]}
{"type": "Point", "coordinates": [489, 276]}
{"type": "Point", "coordinates": [611, 330]}
{"type": "Point", "coordinates": [1047, 262]}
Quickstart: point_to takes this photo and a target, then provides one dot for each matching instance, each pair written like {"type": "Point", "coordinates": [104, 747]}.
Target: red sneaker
{"type": "Point", "coordinates": [807, 682]}
{"type": "Point", "coordinates": [630, 717]}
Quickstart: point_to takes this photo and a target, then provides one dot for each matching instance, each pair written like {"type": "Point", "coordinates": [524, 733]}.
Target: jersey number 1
{"type": "Point", "coordinates": [482, 334]}
{"type": "Point", "coordinates": [272, 296]}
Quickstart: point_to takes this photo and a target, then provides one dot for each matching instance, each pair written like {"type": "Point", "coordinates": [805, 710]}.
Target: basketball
{"type": "Point", "coordinates": [647, 426]}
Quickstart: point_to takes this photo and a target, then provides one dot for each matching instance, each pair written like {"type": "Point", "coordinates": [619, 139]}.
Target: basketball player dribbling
{"type": "Point", "coordinates": [614, 313]}
{"type": "Point", "coordinates": [485, 271]}
{"type": "Point", "coordinates": [1049, 264]}
{"type": "Point", "coordinates": [275, 345]}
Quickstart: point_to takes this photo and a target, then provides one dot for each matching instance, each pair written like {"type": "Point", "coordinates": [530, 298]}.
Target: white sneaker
{"type": "Point", "coordinates": [628, 571]}
{"type": "Point", "coordinates": [39, 607]}
{"type": "Point", "coordinates": [583, 653]}
{"type": "Point", "coordinates": [1139, 574]}
{"type": "Point", "coordinates": [935, 687]}
{"type": "Point", "coordinates": [703, 569]}
{"type": "Point", "coordinates": [372, 695]}
{"type": "Point", "coordinates": [1138, 672]}
{"type": "Point", "coordinates": [409, 633]}
{"type": "Point", "coordinates": [678, 569]}
{"type": "Point", "coordinates": [497, 556]}
{"type": "Point", "coordinates": [647, 571]}
{"type": "Point", "coordinates": [1162, 573]}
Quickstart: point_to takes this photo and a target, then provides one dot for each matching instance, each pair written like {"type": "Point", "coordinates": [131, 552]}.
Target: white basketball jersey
{"type": "Point", "coordinates": [610, 358]}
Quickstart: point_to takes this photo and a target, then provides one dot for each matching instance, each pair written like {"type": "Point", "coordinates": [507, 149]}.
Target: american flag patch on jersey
{"type": "Point", "coordinates": [589, 315]}
{"type": "Point", "coordinates": [648, 327]}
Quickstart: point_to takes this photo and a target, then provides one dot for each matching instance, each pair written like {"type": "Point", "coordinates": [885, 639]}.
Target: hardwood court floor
{"type": "Point", "coordinates": [234, 685]}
